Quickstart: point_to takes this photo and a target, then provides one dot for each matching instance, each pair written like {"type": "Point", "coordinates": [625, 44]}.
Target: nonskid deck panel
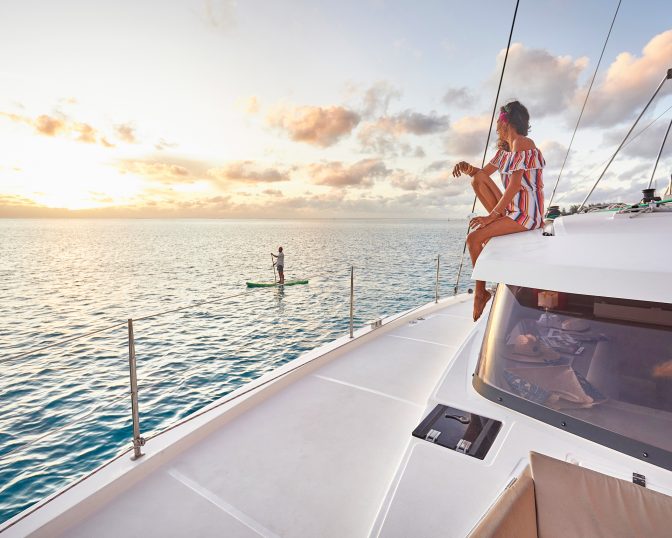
{"type": "Point", "coordinates": [315, 459]}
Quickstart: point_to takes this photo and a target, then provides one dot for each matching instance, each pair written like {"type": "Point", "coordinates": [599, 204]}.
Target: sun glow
{"type": "Point", "coordinates": [67, 174]}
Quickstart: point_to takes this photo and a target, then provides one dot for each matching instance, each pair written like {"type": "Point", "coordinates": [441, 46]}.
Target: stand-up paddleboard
{"type": "Point", "coordinates": [272, 284]}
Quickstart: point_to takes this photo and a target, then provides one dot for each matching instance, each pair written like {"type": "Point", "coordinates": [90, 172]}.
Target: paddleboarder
{"type": "Point", "coordinates": [280, 264]}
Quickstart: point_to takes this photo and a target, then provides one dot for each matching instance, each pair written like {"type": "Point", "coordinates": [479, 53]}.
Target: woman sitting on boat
{"type": "Point", "coordinates": [521, 207]}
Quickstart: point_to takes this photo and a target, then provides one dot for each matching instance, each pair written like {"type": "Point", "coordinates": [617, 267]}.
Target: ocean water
{"type": "Point", "coordinates": [64, 278]}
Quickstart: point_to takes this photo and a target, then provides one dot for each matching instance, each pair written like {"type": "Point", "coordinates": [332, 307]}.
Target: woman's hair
{"type": "Point", "coordinates": [518, 117]}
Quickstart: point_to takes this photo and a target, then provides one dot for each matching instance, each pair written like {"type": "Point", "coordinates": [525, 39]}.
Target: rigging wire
{"type": "Point", "coordinates": [662, 147]}
{"type": "Point", "coordinates": [630, 141]}
{"type": "Point", "coordinates": [668, 76]}
{"type": "Point", "coordinates": [487, 142]}
{"type": "Point", "coordinates": [585, 101]}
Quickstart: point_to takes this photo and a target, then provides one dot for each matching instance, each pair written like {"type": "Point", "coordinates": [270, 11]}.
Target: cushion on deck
{"type": "Point", "coordinates": [513, 514]}
{"type": "Point", "coordinates": [575, 501]}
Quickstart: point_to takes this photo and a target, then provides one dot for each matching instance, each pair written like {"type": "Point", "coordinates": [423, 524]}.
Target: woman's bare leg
{"type": "Point", "coordinates": [486, 190]}
{"type": "Point", "coordinates": [476, 241]}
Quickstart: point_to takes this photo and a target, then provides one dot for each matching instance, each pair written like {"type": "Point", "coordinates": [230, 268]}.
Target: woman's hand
{"type": "Point", "coordinates": [463, 167]}
{"type": "Point", "coordinates": [481, 222]}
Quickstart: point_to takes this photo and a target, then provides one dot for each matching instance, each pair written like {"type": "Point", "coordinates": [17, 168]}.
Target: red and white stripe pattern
{"type": "Point", "coordinates": [527, 206]}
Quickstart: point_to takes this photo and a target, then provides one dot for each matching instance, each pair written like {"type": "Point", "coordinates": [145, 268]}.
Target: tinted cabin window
{"type": "Point", "coordinates": [601, 360]}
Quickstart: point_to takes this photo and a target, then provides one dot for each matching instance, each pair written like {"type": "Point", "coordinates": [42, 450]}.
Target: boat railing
{"type": "Point", "coordinates": [132, 389]}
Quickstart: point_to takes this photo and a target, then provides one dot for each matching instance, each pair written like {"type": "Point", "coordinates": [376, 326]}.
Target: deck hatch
{"type": "Point", "coordinates": [459, 430]}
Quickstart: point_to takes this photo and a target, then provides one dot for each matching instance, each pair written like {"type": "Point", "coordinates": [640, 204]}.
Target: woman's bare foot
{"type": "Point", "coordinates": [480, 300]}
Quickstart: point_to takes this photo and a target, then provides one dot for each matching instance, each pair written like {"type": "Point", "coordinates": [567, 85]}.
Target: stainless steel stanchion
{"type": "Point", "coordinates": [436, 291]}
{"type": "Point", "coordinates": [352, 298]}
{"type": "Point", "coordinates": [138, 441]}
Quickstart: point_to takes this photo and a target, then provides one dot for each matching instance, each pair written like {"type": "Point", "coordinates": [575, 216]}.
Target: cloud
{"type": "Point", "coordinates": [163, 144]}
{"type": "Point", "coordinates": [383, 134]}
{"type": "Point", "coordinates": [467, 136]}
{"type": "Point", "coordinates": [335, 174]}
{"type": "Point", "coordinates": [438, 166]}
{"type": "Point", "coordinates": [249, 105]}
{"type": "Point", "coordinates": [60, 126]}
{"type": "Point", "coordinates": [405, 181]}
{"type": "Point", "coordinates": [629, 83]}
{"type": "Point", "coordinates": [554, 153]}
{"type": "Point", "coordinates": [167, 173]}
{"type": "Point", "coordinates": [378, 97]}
{"type": "Point", "coordinates": [87, 134]}
{"type": "Point", "coordinates": [646, 145]}
{"type": "Point", "coordinates": [48, 126]}
{"type": "Point", "coordinates": [247, 172]}
{"type": "Point", "coordinates": [15, 200]}
{"type": "Point", "coordinates": [459, 97]}
{"type": "Point", "coordinates": [126, 133]}
{"type": "Point", "coordinates": [273, 192]}
{"type": "Point", "coordinates": [315, 125]}
{"type": "Point", "coordinates": [416, 123]}
{"type": "Point", "coordinates": [544, 83]}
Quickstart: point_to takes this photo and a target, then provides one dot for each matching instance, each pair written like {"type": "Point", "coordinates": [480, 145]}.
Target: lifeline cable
{"type": "Point", "coordinates": [485, 152]}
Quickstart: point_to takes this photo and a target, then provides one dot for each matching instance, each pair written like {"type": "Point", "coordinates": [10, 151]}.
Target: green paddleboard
{"type": "Point", "coordinates": [273, 284]}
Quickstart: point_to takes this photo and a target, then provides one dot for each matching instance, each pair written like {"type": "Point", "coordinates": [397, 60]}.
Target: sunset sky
{"type": "Point", "coordinates": [208, 108]}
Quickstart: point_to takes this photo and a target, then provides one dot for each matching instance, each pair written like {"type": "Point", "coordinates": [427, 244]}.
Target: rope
{"type": "Point", "coordinates": [585, 101]}
{"type": "Point", "coordinates": [485, 151]}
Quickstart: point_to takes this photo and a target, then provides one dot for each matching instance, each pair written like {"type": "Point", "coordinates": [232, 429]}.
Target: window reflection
{"type": "Point", "coordinates": [601, 360]}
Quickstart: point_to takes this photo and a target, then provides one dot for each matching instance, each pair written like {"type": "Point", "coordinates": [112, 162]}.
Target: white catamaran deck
{"type": "Point", "coordinates": [323, 447]}
{"type": "Point", "coordinates": [315, 459]}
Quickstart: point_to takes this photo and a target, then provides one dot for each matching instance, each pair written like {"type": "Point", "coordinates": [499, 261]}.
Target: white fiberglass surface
{"type": "Point", "coordinates": [601, 254]}
{"type": "Point", "coordinates": [315, 459]}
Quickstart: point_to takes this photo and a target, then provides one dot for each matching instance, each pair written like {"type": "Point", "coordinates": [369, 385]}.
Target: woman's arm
{"type": "Point", "coordinates": [464, 167]}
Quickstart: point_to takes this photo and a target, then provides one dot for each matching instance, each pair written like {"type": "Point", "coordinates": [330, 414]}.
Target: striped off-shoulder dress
{"type": "Point", "coordinates": [527, 206]}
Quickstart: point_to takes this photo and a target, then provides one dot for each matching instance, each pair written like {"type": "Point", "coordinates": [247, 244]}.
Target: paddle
{"type": "Point", "coordinates": [275, 279]}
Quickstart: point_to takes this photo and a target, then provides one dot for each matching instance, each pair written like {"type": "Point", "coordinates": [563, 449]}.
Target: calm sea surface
{"type": "Point", "coordinates": [63, 278]}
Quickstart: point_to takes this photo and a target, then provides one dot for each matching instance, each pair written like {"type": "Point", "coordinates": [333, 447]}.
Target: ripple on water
{"type": "Point", "coordinates": [62, 278]}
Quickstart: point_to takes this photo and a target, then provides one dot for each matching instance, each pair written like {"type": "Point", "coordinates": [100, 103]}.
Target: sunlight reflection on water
{"type": "Point", "coordinates": [65, 277]}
